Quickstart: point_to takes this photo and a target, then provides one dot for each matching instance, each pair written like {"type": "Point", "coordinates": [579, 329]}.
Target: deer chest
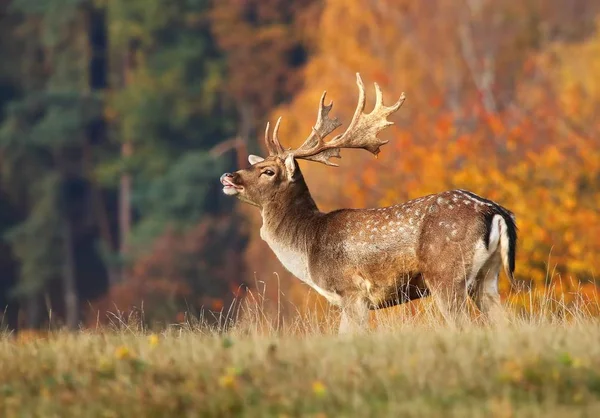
{"type": "Point", "coordinates": [296, 262]}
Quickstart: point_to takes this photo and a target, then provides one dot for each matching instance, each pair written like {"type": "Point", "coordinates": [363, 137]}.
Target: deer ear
{"type": "Point", "coordinates": [291, 167]}
{"type": "Point", "coordinates": [253, 159]}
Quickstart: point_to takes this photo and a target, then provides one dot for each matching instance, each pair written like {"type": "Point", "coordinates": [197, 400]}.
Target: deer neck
{"type": "Point", "coordinates": [289, 220]}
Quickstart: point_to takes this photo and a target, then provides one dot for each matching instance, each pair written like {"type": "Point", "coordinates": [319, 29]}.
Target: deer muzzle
{"type": "Point", "coordinates": [229, 186]}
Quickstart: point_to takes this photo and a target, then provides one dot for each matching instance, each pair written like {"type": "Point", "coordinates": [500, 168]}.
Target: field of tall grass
{"type": "Point", "coordinates": [410, 364]}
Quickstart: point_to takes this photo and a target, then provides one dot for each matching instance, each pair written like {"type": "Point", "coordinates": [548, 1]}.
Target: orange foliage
{"type": "Point", "coordinates": [522, 130]}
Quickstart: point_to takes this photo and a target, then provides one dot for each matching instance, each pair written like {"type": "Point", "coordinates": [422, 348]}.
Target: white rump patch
{"type": "Point", "coordinates": [482, 254]}
{"type": "Point", "coordinates": [495, 232]}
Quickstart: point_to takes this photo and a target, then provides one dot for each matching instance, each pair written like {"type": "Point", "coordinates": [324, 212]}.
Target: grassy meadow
{"type": "Point", "coordinates": [408, 365]}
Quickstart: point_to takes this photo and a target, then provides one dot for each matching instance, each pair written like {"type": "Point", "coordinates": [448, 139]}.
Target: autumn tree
{"type": "Point", "coordinates": [483, 112]}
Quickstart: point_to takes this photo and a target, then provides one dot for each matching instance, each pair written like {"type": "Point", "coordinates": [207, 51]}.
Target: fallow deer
{"type": "Point", "coordinates": [450, 245]}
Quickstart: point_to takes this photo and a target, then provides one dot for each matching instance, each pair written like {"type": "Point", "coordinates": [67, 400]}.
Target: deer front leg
{"type": "Point", "coordinates": [355, 316]}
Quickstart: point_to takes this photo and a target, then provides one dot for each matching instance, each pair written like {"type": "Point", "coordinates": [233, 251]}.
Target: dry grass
{"type": "Point", "coordinates": [546, 364]}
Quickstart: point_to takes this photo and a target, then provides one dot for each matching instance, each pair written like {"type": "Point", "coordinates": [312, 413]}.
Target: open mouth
{"type": "Point", "coordinates": [230, 187]}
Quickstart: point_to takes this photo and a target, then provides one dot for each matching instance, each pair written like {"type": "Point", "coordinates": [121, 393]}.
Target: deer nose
{"type": "Point", "coordinates": [224, 176]}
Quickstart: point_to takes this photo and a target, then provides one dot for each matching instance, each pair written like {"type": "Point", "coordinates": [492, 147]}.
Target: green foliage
{"type": "Point", "coordinates": [178, 198]}
{"type": "Point", "coordinates": [50, 120]}
{"type": "Point", "coordinates": [171, 109]}
{"type": "Point", "coordinates": [37, 241]}
{"type": "Point", "coordinates": [58, 16]}
{"type": "Point", "coordinates": [38, 137]}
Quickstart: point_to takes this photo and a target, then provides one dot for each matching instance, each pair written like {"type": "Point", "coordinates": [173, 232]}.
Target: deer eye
{"type": "Point", "coordinates": [269, 173]}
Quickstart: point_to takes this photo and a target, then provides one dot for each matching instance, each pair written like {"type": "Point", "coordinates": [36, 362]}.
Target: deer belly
{"type": "Point", "coordinates": [400, 293]}
{"type": "Point", "coordinates": [297, 264]}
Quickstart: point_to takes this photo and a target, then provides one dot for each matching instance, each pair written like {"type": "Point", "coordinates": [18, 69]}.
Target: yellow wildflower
{"type": "Point", "coordinates": [233, 371]}
{"type": "Point", "coordinates": [123, 352]}
{"type": "Point", "coordinates": [153, 340]}
{"type": "Point", "coordinates": [227, 381]}
{"type": "Point", "coordinates": [319, 388]}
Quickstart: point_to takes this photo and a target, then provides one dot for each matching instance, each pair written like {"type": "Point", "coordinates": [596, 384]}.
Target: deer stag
{"type": "Point", "coordinates": [448, 245]}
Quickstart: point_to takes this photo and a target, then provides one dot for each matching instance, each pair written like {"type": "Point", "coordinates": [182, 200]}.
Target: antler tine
{"type": "Point", "coordinates": [273, 145]}
{"type": "Point", "coordinates": [361, 133]}
{"type": "Point", "coordinates": [379, 102]}
{"type": "Point", "coordinates": [321, 115]}
{"type": "Point", "coordinates": [268, 140]}
{"type": "Point", "coordinates": [360, 106]}
{"type": "Point", "coordinates": [378, 96]}
{"type": "Point", "coordinates": [276, 142]}
{"type": "Point", "coordinates": [323, 127]}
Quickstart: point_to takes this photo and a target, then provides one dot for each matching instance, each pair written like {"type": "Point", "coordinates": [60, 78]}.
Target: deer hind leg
{"type": "Point", "coordinates": [355, 316]}
{"type": "Point", "coordinates": [450, 297]}
{"type": "Point", "coordinates": [485, 292]}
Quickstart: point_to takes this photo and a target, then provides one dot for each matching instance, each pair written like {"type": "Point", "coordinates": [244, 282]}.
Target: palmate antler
{"type": "Point", "coordinates": [361, 133]}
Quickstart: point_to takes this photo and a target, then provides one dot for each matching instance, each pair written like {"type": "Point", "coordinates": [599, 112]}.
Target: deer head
{"type": "Point", "coordinates": [278, 175]}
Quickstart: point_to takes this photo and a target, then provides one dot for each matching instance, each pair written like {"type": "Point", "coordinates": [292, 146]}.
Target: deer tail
{"type": "Point", "coordinates": [507, 229]}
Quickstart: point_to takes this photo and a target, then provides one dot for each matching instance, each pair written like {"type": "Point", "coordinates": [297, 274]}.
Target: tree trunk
{"type": "Point", "coordinates": [101, 214]}
{"type": "Point", "coordinates": [96, 132]}
{"type": "Point", "coordinates": [105, 234]}
{"type": "Point", "coordinates": [68, 277]}
{"type": "Point", "coordinates": [125, 203]}
{"type": "Point", "coordinates": [126, 180]}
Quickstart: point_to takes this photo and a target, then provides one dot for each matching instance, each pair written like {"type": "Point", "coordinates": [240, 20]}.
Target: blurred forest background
{"type": "Point", "coordinates": [117, 118]}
